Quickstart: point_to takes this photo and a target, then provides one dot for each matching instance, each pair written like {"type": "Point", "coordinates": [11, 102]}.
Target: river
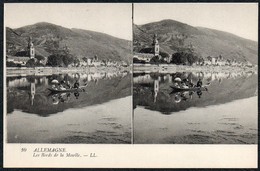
{"type": "Point", "coordinates": [101, 114]}
{"type": "Point", "coordinates": [225, 114]}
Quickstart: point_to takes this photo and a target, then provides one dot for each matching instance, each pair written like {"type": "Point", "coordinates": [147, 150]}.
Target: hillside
{"type": "Point", "coordinates": [174, 35]}
{"type": "Point", "coordinates": [48, 38]}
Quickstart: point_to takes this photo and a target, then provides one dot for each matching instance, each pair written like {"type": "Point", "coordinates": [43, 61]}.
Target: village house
{"type": "Point", "coordinates": [146, 57]}
{"type": "Point", "coordinates": [216, 61]}
{"type": "Point", "coordinates": [83, 63]}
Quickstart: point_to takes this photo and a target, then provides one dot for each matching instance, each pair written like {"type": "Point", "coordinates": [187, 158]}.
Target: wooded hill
{"type": "Point", "coordinates": [48, 38]}
{"type": "Point", "coordinates": [174, 36]}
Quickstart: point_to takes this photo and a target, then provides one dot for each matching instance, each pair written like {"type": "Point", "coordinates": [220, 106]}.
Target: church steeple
{"type": "Point", "coordinates": [155, 45]}
{"type": "Point", "coordinates": [31, 48]}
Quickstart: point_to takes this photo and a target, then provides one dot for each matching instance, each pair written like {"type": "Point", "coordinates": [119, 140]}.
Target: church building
{"type": "Point", "coordinates": [153, 51]}
{"type": "Point", "coordinates": [22, 60]}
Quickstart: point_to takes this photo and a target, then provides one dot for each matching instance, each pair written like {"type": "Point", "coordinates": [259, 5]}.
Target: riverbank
{"type": "Point", "coordinates": [23, 71]}
{"type": "Point", "coordinates": [165, 68]}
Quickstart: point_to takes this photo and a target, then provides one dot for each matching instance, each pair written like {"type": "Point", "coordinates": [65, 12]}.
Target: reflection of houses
{"type": "Point", "coordinates": [22, 60]}
{"type": "Point", "coordinates": [143, 79]}
{"type": "Point", "coordinates": [97, 76]}
{"type": "Point", "coordinates": [212, 76]}
{"type": "Point", "coordinates": [148, 79]}
{"type": "Point", "coordinates": [22, 82]}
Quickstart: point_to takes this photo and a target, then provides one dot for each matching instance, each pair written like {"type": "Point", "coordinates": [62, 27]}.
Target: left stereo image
{"type": "Point", "coordinates": [68, 73]}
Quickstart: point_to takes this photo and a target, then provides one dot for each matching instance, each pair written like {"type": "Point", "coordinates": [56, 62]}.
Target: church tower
{"type": "Point", "coordinates": [155, 45]}
{"type": "Point", "coordinates": [31, 48]}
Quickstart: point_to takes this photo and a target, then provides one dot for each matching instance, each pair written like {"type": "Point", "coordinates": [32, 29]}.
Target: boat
{"type": "Point", "coordinates": [189, 89]}
{"type": "Point", "coordinates": [80, 89]}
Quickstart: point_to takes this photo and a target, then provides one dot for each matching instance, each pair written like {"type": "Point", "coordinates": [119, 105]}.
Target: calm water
{"type": "Point", "coordinates": [101, 114]}
{"type": "Point", "coordinates": [225, 114]}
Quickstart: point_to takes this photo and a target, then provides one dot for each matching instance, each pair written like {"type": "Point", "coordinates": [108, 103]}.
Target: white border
{"type": "Point", "coordinates": [129, 156]}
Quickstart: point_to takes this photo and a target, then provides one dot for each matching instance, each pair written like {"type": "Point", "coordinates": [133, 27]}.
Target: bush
{"type": "Point", "coordinates": [157, 60]}
{"type": "Point", "coordinates": [136, 60]}
{"type": "Point", "coordinates": [10, 64]}
{"type": "Point", "coordinates": [30, 63]}
{"type": "Point", "coordinates": [39, 57]}
{"type": "Point", "coordinates": [60, 60]}
{"type": "Point", "coordinates": [183, 58]}
{"type": "Point", "coordinates": [33, 63]}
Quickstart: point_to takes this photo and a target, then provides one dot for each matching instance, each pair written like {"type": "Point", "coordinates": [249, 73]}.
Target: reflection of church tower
{"type": "Point", "coordinates": [31, 48]}
{"type": "Point", "coordinates": [156, 89]}
{"type": "Point", "coordinates": [32, 92]}
{"type": "Point", "coordinates": [155, 45]}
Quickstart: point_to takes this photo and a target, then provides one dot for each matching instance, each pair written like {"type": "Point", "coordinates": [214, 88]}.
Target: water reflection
{"type": "Point", "coordinates": [31, 95]}
{"type": "Point", "coordinates": [155, 91]}
{"type": "Point", "coordinates": [172, 109]}
{"type": "Point", "coordinates": [97, 113]}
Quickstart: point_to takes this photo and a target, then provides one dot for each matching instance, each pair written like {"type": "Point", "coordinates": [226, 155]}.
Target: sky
{"type": "Point", "coordinates": [113, 19]}
{"type": "Point", "coordinates": [238, 18]}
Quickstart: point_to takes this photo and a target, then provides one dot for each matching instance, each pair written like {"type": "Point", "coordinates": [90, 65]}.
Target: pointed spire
{"type": "Point", "coordinates": [155, 41]}
{"type": "Point", "coordinates": [30, 44]}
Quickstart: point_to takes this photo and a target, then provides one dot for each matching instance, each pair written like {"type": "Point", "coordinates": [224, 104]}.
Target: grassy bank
{"type": "Point", "coordinates": [15, 71]}
{"type": "Point", "coordinates": [164, 68]}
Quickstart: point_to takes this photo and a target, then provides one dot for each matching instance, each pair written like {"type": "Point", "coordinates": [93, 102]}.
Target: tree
{"type": "Point", "coordinates": [60, 60]}
{"type": "Point", "coordinates": [39, 57]}
{"type": "Point", "coordinates": [67, 59]}
{"type": "Point", "coordinates": [76, 62]}
{"type": "Point", "coordinates": [157, 60]}
{"type": "Point", "coordinates": [10, 64]}
{"type": "Point", "coordinates": [85, 59]}
{"type": "Point", "coordinates": [201, 61]}
{"type": "Point", "coordinates": [183, 58]}
{"type": "Point", "coordinates": [21, 53]}
{"type": "Point", "coordinates": [55, 60]}
{"type": "Point", "coordinates": [96, 58]}
{"type": "Point", "coordinates": [179, 58]}
{"type": "Point", "coordinates": [192, 58]}
{"type": "Point", "coordinates": [164, 55]}
{"type": "Point", "coordinates": [30, 63]}
{"type": "Point", "coordinates": [136, 60]}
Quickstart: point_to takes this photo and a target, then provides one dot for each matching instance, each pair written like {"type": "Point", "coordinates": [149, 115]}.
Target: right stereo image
{"type": "Point", "coordinates": [195, 73]}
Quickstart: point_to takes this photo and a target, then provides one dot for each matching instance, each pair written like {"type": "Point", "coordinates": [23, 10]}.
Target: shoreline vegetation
{"type": "Point", "coordinates": [24, 71]}
{"type": "Point", "coordinates": [171, 68]}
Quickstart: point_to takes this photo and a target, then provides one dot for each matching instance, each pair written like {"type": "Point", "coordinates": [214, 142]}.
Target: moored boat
{"type": "Point", "coordinates": [189, 89]}
{"type": "Point", "coordinates": [80, 89]}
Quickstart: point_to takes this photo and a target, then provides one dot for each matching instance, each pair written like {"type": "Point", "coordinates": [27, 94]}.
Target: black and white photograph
{"type": "Point", "coordinates": [195, 73]}
{"type": "Point", "coordinates": [130, 85]}
{"type": "Point", "coordinates": [68, 76]}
